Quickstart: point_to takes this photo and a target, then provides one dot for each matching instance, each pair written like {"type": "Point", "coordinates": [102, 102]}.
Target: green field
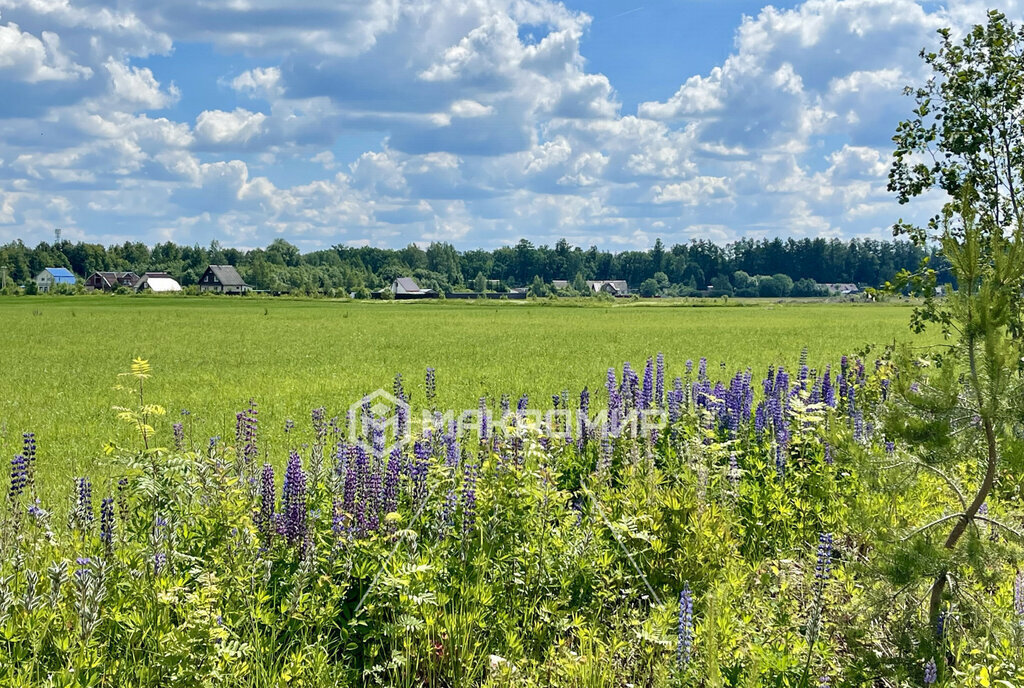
{"type": "Point", "coordinates": [62, 356]}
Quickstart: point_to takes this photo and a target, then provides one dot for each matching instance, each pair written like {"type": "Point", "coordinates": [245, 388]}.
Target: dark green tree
{"type": "Point", "coordinates": [966, 137]}
{"type": "Point", "coordinates": [968, 127]}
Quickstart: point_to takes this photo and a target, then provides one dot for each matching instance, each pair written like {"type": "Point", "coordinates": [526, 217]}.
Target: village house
{"type": "Point", "coordinates": [406, 288]}
{"type": "Point", "coordinates": [108, 281]}
{"type": "Point", "coordinates": [158, 283]}
{"type": "Point", "coordinates": [223, 279]}
{"type": "Point", "coordinates": [613, 287]}
{"type": "Point", "coordinates": [50, 277]}
{"type": "Point", "coordinates": [841, 288]}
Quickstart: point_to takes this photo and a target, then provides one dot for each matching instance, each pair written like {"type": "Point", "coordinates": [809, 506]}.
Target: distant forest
{"type": "Point", "coordinates": [765, 267]}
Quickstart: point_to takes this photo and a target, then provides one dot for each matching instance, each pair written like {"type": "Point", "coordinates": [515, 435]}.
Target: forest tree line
{"type": "Point", "coordinates": [737, 267]}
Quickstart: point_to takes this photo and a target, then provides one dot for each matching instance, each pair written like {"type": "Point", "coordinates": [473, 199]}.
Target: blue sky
{"type": "Point", "coordinates": [479, 122]}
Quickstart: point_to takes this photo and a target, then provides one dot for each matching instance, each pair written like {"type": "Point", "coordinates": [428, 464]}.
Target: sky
{"type": "Point", "coordinates": [477, 122]}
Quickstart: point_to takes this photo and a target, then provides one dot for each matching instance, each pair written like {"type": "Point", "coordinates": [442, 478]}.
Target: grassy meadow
{"type": "Point", "coordinates": [210, 355]}
{"type": "Point", "coordinates": [780, 529]}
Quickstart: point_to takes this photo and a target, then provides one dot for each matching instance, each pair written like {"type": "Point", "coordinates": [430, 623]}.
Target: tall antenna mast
{"type": "Point", "coordinates": [56, 233]}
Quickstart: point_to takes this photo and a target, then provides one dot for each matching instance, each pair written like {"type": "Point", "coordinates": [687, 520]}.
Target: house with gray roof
{"type": "Point", "coordinates": [406, 288]}
{"type": "Point", "coordinates": [223, 279]}
{"type": "Point", "coordinates": [613, 287]}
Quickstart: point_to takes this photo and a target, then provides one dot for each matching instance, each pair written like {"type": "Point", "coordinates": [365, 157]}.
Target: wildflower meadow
{"type": "Point", "coordinates": [772, 530]}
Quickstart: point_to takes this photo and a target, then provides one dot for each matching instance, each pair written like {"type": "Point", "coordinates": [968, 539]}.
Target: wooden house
{"type": "Point", "coordinates": [223, 279]}
{"type": "Point", "coordinates": [108, 281]}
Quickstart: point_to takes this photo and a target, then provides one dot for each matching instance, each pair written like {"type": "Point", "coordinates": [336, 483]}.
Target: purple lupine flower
{"type": "Point", "coordinates": [179, 436]}
{"type": "Point", "coordinates": [448, 510]}
{"type": "Point", "coordinates": [377, 439]}
{"type": "Point", "coordinates": [524, 401]}
{"type": "Point", "coordinates": [828, 454]}
{"type": "Point", "coordinates": [823, 566]}
{"type": "Point", "coordinates": [451, 442]}
{"type": "Point", "coordinates": [394, 471]}
{"type": "Point", "coordinates": [28, 450]}
{"type": "Point", "coordinates": [702, 369]}
{"type": "Point", "coordinates": [246, 426]}
{"type": "Point", "coordinates": [431, 385]}
{"type": "Point", "coordinates": [418, 472]}
{"type": "Point", "coordinates": [318, 416]}
{"type": "Point", "coordinates": [159, 562]}
{"type": "Point", "coordinates": [659, 381]}
{"type": "Point", "coordinates": [674, 402]}
{"type": "Point", "coordinates": [293, 501]}
{"type": "Point", "coordinates": [647, 391]}
{"type": "Point", "coordinates": [484, 417]}
{"type": "Point", "coordinates": [19, 476]}
{"type": "Point", "coordinates": [684, 631]}
{"type": "Point", "coordinates": [760, 419]}
{"type": "Point", "coordinates": [372, 500]}
{"type": "Point", "coordinates": [289, 425]}
{"type": "Point", "coordinates": [354, 474]}
{"type": "Point", "coordinates": [940, 626]}
{"type": "Point", "coordinates": [890, 447]}
{"type": "Point", "coordinates": [122, 499]}
{"type": "Point", "coordinates": [556, 399]}
{"type": "Point", "coordinates": [506, 406]}
{"type": "Point", "coordinates": [611, 384]}
{"type": "Point", "coordinates": [931, 672]}
{"type": "Point", "coordinates": [83, 512]}
{"type": "Point", "coordinates": [399, 390]}
{"type": "Point", "coordinates": [84, 565]}
{"type": "Point", "coordinates": [604, 463]}
{"type": "Point", "coordinates": [469, 475]}
{"type": "Point", "coordinates": [626, 386]}
{"type": "Point", "coordinates": [584, 418]}
{"type": "Point", "coordinates": [265, 516]}
{"type": "Point", "coordinates": [107, 523]}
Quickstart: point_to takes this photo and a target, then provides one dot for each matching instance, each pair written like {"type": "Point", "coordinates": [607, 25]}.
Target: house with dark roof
{"type": "Point", "coordinates": [50, 277]}
{"type": "Point", "coordinates": [223, 279]}
{"type": "Point", "coordinates": [108, 281]}
{"type": "Point", "coordinates": [406, 288]}
{"type": "Point", "coordinates": [613, 287]}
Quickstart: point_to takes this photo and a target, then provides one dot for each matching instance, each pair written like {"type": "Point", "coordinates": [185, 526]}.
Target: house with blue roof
{"type": "Point", "coordinates": [49, 277]}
